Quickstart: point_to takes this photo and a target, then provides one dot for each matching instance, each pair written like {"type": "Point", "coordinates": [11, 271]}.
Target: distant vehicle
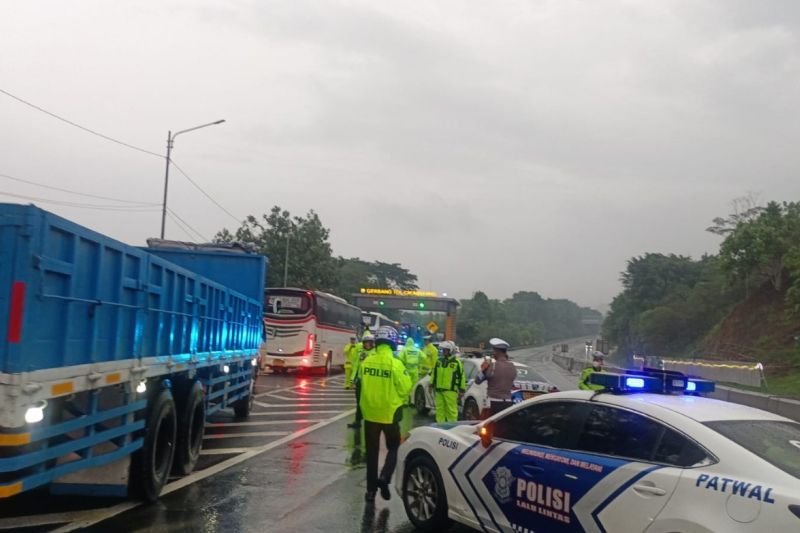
{"type": "Point", "coordinates": [628, 460]}
{"type": "Point", "coordinates": [476, 401]}
{"type": "Point", "coordinates": [372, 320]}
{"type": "Point", "coordinates": [113, 356]}
{"type": "Point", "coordinates": [306, 330]}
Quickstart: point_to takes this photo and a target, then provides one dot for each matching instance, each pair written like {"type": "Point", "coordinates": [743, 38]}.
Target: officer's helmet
{"type": "Point", "coordinates": [387, 335]}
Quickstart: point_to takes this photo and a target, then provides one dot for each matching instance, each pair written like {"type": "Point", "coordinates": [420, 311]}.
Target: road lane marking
{"type": "Point", "coordinates": [218, 436]}
{"type": "Point", "coordinates": [300, 412]}
{"type": "Point", "coordinates": [225, 451]}
{"type": "Point", "coordinates": [262, 423]}
{"type": "Point", "coordinates": [101, 515]}
{"type": "Point", "coordinates": [329, 404]}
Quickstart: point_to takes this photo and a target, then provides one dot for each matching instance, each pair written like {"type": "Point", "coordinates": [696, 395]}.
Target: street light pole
{"type": "Point", "coordinates": [170, 143]}
{"type": "Point", "coordinates": [286, 260]}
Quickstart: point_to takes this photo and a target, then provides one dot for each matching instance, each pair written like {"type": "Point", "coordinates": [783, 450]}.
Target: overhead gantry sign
{"type": "Point", "coordinates": [371, 299]}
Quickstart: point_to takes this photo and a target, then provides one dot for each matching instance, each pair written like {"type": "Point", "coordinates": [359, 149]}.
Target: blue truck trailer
{"type": "Point", "coordinates": [112, 356]}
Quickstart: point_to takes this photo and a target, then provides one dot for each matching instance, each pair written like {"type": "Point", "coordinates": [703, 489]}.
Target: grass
{"type": "Point", "coordinates": [784, 385]}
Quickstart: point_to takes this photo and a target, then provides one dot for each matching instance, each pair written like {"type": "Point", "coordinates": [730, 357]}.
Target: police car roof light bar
{"type": "Point", "coordinates": [651, 380]}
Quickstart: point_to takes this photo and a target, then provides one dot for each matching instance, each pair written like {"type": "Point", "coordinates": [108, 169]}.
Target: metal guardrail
{"type": "Point", "coordinates": [774, 404]}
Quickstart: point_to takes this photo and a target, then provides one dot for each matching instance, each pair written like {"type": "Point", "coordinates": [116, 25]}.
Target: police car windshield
{"type": "Point", "coordinates": [775, 442]}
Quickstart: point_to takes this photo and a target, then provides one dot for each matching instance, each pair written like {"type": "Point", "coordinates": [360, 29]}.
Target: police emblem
{"type": "Point", "coordinates": [502, 484]}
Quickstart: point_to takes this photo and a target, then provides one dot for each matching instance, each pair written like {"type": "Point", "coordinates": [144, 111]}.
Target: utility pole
{"type": "Point", "coordinates": [170, 143]}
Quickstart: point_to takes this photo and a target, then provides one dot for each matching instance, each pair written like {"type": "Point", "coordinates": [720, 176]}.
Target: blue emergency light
{"type": "Point", "coordinates": [651, 380]}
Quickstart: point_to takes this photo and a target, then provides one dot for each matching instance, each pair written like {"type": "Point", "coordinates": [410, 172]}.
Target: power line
{"type": "Point", "coordinates": [128, 209]}
{"type": "Point", "coordinates": [177, 218]}
{"type": "Point", "coordinates": [84, 128]}
{"type": "Point", "coordinates": [199, 188]}
{"type": "Point", "coordinates": [180, 227]}
{"type": "Point", "coordinates": [68, 191]}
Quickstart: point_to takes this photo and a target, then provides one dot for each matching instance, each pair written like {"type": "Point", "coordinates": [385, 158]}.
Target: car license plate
{"type": "Point", "coordinates": [278, 362]}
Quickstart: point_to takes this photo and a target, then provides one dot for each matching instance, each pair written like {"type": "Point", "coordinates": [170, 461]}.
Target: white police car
{"type": "Point", "coordinates": [608, 462]}
{"type": "Point", "coordinates": [475, 397]}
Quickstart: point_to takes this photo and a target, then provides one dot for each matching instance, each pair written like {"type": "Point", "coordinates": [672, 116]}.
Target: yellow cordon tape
{"type": "Point", "coordinates": [754, 366]}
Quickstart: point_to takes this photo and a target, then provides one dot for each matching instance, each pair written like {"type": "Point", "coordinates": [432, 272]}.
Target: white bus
{"type": "Point", "coordinates": [306, 330]}
{"type": "Point", "coordinates": [372, 321]}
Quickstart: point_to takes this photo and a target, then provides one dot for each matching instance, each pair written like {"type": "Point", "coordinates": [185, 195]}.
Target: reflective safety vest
{"type": "Point", "coordinates": [351, 353]}
{"type": "Point", "coordinates": [362, 354]}
{"type": "Point", "coordinates": [411, 356]}
{"type": "Point", "coordinates": [385, 385]}
{"type": "Point", "coordinates": [432, 355]}
{"type": "Point", "coordinates": [584, 384]}
{"type": "Point", "coordinates": [448, 375]}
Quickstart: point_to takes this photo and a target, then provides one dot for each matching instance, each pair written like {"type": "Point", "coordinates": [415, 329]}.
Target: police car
{"type": "Point", "coordinates": [616, 460]}
{"type": "Point", "coordinates": [476, 399]}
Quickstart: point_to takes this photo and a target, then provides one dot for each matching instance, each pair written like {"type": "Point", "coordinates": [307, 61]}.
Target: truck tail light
{"type": "Point", "coordinates": [17, 310]}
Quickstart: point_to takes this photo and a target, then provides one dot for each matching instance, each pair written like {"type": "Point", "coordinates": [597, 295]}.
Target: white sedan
{"type": "Point", "coordinates": [603, 462]}
{"type": "Point", "coordinates": [475, 399]}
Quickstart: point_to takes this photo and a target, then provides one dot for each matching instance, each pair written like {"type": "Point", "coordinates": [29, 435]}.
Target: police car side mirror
{"type": "Point", "coordinates": [485, 432]}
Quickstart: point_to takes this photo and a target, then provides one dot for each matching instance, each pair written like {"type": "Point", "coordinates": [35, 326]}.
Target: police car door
{"type": "Point", "coordinates": [510, 486]}
{"type": "Point", "coordinates": [621, 470]}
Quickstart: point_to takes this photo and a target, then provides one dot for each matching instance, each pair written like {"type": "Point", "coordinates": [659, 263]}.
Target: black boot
{"type": "Point", "coordinates": [384, 486]}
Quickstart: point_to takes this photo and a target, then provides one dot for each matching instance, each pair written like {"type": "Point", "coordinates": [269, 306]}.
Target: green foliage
{"type": "Point", "coordinates": [311, 265]}
{"type": "Point", "coordinates": [767, 247]}
{"type": "Point", "coordinates": [668, 304]}
{"type": "Point", "coordinates": [524, 319]}
{"type": "Point", "coordinates": [355, 273]}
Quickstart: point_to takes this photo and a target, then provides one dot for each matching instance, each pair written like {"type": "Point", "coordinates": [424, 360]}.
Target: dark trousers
{"type": "Point", "coordinates": [495, 406]}
{"type": "Point", "coordinates": [372, 435]}
{"type": "Point", "coordinates": [358, 403]}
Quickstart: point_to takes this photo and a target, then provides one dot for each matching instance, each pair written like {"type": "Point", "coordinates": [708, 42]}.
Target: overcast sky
{"type": "Point", "coordinates": [496, 146]}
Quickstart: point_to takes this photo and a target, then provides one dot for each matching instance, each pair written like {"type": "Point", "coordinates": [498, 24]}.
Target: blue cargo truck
{"type": "Point", "coordinates": [112, 356]}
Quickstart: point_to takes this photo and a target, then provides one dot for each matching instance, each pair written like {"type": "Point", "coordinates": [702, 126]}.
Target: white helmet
{"type": "Point", "coordinates": [368, 337]}
{"type": "Point", "coordinates": [447, 345]}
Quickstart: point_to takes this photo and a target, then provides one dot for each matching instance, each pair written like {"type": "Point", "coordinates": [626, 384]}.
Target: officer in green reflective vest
{"type": "Point", "coordinates": [411, 357]}
{"type": "Point", "coordinates": [384, 388]}
{"type": "Point", "coordinates": [365, 348]}
{"type": "Point", "coordinates": [449, 383]}
{"type": "Point", "coordinates": [597, 366]}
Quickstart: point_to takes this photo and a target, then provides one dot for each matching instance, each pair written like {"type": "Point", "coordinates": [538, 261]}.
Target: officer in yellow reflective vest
{"type": "Point", "coordinates": [384, 388]}
{"type": "Point", "coordinates": [597, 366]}
{"type": "Point", "coordinates": [411, 357]}
{"type": "Point", "coordinates": [350, 355]}
{"type": "Point", "coordinates": [449, 383]}
{"type": "Point", "coordinates": [431, 355]}
{"type": "Point", "coordinates": [366, 348]}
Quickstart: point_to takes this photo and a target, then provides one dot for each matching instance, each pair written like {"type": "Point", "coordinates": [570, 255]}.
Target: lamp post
{"type": "Point", "coordinates": [286, 259]}
{"type": "Point", "coordinates": [170, 141]}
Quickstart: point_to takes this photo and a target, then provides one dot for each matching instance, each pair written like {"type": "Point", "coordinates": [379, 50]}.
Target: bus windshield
{"type": "Point", "coordinates": [287, 303]}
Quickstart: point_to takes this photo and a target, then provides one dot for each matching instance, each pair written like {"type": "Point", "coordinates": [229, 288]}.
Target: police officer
{"type": "Point", "coordinates": [597, 366]}
{"type": "Point", "coordinates": [449, 383]}
{"type": "Point", "coordinates": [351, 351]}
{"type": "Point", "coordinates": [384, 388]}
{"type": "Point", "coordinates": [430, 356]}
{"type": "Point", "coordinates": [367, 348]}
{"type": "Point", "coordinates": [411, 357]}
{"type": "Point", "coordinates": [499, 376]}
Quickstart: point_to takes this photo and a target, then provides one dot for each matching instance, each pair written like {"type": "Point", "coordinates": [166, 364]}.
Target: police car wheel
{"type": "Point", "coordinates": [419, 401]}
{"type": "Point", "coordinates": [424, 497]}
{"type": "Point", "coordinates": [471, 411]}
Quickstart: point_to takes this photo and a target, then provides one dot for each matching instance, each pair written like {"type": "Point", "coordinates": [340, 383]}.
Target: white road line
{"type": "Point", "coordinates": [300, 399]}
{"type": "Point", "coordinates": [329, 404]}
{"type": "Point", "coordinates": [253, 434]}
{"type": "Point", "coordinates": [264, 423]}
{"type": "Point", "coordinates": [104, 514]}
{"type": "Point", "coordinates": [225, 451]}
{"type": "Point", "coordinates": [300, 412]}
{"type": "Point", "coordinates": [44, 519]}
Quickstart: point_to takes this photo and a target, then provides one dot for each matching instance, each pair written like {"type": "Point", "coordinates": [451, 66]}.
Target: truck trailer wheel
{"type": "Point", "coordinates": [150, 466]}
{"type": "Point", "coordinates": [191, 428]}
{"type": "Point", "coordinates": [242, 408]}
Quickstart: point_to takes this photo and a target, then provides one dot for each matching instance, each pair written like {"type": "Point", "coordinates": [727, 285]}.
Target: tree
{"type": "Point", "coordinates": [763, 246]}
{"type": "Point", "coordinates": [745, 208]}
{"type": "Point", "coordinates": [311, 264]}
{"type": "Point", "coordinates": [354, 273]}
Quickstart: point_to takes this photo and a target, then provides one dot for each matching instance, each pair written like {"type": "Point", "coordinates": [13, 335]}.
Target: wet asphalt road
{"type": "Point", "coordinates": [292, 466]}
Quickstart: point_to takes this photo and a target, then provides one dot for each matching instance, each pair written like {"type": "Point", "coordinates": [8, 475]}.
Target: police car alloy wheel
{"type": "Point", "coordinates": [471, 410]}
{"type": "Point", "coordinates": [419, 401]}
{"type": "Point", "coordinates": [424, 497]}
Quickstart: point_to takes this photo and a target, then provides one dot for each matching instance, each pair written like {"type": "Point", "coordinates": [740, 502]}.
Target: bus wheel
{"type": "Point", "coordinates": [150, 466]}
{"type": "Point", "coordinates": [191, 428]}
